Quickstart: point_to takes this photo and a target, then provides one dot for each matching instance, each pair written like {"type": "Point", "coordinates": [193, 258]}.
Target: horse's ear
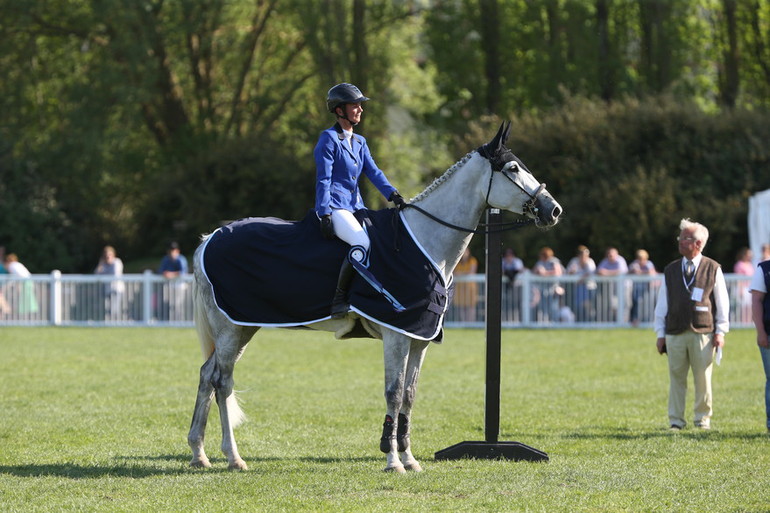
{"type": "Point", "coordinates": [497, 143]}
{"type": "Point", "coordinates": [505, 132]}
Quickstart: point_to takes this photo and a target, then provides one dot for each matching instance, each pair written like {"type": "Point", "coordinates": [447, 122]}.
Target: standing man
{"type": "Point", "coordinates": [760, 313]}
{"type": "Point", "coordinates": [691, 319]}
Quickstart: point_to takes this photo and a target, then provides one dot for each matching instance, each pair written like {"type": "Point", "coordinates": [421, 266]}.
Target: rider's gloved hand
{"type": "Point", "coordinates": [326, 227]}
{"type": "Point", "coordinates": [397, 200]}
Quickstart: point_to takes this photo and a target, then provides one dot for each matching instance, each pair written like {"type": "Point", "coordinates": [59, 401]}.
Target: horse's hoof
{"type": "Point", "coordinates": [398, 470]}
{"type": "Point", "coordinates": [238, 465]}
{"type": "Point", "coordinates": [200, 463]}
{"type": "Point", "coordinates": [413, 466]}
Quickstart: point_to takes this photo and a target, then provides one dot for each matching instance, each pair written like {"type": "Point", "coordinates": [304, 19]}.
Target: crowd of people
{"type": "Point", "coordinates": [19, 298]}
{"type": "Point", "coordinates": [583, 298]}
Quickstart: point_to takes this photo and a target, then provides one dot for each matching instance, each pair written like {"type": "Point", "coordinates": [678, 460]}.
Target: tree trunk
{"type": "Point", "coordinates": [729, 83]}
{"type": "Point", "coordinates": [490, 43]}
{"type": "Point", "coordinates": [606, 79]}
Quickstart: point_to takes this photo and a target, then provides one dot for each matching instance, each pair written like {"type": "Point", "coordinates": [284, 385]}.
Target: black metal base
{"type": "Point", "coordinates": [492, 451]}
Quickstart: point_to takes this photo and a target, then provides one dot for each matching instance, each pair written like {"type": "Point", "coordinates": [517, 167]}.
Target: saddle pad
{"type": "Point", "coordinates": [266, 271]}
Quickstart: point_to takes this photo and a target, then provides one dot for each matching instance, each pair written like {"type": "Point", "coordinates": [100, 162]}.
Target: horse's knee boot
{"type": "Point", "coordinates": [402, 437]}
{"type": "Point", "coordinates": [388, 435]}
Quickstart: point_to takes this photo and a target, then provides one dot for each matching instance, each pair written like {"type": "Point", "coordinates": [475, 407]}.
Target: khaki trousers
{"type": "Point", "coordinates": [690, 350]}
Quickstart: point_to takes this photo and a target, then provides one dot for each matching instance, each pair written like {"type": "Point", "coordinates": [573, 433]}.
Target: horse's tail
{"type": "Point", "coordinates": [202, 325]}
{"type": "Point", "coordinates": [200, 313]}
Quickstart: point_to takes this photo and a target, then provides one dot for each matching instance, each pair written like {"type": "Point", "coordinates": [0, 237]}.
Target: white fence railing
{"type": "Point", "coordinates": [529, 302]}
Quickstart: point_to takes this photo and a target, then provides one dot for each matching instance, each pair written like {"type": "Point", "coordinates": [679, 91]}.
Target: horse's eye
{"type": "Point", "coordinates": [511, 166]}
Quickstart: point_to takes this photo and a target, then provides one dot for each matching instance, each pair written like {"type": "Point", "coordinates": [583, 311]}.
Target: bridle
{"type": "Point", "coordinates": [529, 208]}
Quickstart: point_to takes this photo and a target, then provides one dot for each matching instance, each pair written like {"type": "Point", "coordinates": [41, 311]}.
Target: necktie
{"type": "Point", "coordinates": [689, 270]}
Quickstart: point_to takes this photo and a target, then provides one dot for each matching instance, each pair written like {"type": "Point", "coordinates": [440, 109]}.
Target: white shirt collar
{"type": "Point", "coordinates": [695, 260]}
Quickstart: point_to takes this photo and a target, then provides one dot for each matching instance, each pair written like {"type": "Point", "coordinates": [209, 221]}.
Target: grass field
{"type": "Point", "coordinates": [97, 419]}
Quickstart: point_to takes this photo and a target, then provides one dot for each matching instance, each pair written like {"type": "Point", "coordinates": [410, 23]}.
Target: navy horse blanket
{"type": "Point", "coordinates": [266, 271]}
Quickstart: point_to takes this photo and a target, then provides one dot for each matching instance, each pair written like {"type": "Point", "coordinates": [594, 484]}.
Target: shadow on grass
{"type": "Point", "coordinates": [602, 433]}
{"type": "Point", "coordinates": [264, 459]}
{"type": "Point", "coordinates": [137, 470]}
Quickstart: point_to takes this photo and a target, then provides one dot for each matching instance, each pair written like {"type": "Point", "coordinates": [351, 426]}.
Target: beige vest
{"type": "Point", "coordinates": [684, 313]}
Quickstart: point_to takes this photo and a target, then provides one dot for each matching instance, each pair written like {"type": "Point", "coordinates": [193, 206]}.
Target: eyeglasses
{"type": "Point", "coordinates": [689, 239]}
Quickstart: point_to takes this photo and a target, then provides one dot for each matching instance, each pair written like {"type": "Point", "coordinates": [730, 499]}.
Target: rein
{"type": "Point", "coordinates": [499, 228]}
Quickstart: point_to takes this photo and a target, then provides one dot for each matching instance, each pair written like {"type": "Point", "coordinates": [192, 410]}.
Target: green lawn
{"type": "Point", "coordinates": [97, 419]}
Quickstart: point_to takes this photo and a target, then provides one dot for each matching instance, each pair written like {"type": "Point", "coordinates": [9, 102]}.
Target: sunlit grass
{"type": "Point", "coordinates": [97, 419]}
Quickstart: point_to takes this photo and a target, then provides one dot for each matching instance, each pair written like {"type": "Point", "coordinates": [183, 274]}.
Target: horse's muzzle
{"type": "Point", "coordinates": [548, 210]}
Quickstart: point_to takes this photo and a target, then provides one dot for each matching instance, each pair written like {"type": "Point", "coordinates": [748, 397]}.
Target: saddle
{"type": "Point", "coordinates": [266, 271]}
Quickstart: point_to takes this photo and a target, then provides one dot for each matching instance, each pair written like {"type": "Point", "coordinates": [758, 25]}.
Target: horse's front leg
{"type": "Point", "coordinates": [417, 352]}
{"type": "Point", "coordinates": [396, 349]}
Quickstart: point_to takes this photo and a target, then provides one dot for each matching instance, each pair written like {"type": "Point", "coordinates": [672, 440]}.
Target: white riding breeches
{"type": "Point", "coordinates": [348, 229]}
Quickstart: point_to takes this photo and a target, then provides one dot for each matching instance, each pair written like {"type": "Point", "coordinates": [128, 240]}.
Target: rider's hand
{"type": "Point", "coordinates": [397, 200]}
{"type": "Point", "coordinates": [326, 227]}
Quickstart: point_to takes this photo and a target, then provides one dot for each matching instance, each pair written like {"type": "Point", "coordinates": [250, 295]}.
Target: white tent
{"type": "Point", "coordinates": [759, 222]}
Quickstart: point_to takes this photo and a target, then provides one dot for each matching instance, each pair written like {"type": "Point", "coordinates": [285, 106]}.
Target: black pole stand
{"type": "Point", "coordinates": [491, 448]}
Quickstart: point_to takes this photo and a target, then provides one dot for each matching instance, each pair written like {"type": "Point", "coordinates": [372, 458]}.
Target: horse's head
{"type": "Point", "coordinates": [512, 187]}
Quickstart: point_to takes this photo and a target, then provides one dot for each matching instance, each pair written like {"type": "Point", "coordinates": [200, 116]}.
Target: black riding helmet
{"type": "Point", "coordinates": [342, 94]}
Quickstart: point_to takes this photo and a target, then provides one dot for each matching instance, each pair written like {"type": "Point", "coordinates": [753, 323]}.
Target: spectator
{"type": "Point", "coordinates": [110, 265]}
{"type": "Point", "coordinates": [585, 289]}
{"type": "Point", "coordinates": [744, 267]}
{"type": "Point", "coordinates": [760, 309]}
{"type": "Point", "coordinates": [512, 266]}
{"type": "Point", "coordinates": [27, 300]}
{"type": "Point", "coordinates": [174, 264]}
{"type": "Point", "coordinates": [546, 296]}
{"type": "Point", "coordinates": [173, 294]}
{"type": "Point", "coordinates": [691, 319]}
{"type": "Point", "coordinates": [612, 265]}
{"type": "Point", "coordinates": [466, 293]}
{"type": "Point", "coordinates": [640, 305]}
{"type": "Point", "coordinates": [743, 263]}
{"type": "Point", "coordinates": [5, 308]}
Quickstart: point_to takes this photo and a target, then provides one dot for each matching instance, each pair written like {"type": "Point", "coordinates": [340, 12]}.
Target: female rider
{"type": "Point", "coordinates": [340, 158]}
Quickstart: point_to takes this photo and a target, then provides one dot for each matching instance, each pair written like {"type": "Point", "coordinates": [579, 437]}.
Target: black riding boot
{"type": "Point", "coordinates": [340, 304]}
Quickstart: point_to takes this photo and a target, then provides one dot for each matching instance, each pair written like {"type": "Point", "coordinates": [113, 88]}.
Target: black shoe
{"type": "Point", "coordinates": [674, 427]}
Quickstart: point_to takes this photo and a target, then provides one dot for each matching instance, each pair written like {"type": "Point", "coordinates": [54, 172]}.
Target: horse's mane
{"type": "Point", "coordinates": [443, 178]}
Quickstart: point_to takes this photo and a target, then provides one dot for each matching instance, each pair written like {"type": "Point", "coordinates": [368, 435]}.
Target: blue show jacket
{"type": "Point", "coordinates": [338, 168]}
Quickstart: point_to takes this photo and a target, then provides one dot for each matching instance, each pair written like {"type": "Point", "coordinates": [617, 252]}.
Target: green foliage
{"type": "Point", "coordinates": [627, 172]}
{"type": "Point", "coordinates": [97, 420]}
{"type": "Point", "coordinates": [133, 123]}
